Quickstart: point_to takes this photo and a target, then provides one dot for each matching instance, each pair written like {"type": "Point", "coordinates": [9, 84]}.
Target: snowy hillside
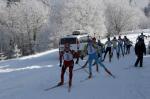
{"type": "Point", "coordinates": [27, 77]}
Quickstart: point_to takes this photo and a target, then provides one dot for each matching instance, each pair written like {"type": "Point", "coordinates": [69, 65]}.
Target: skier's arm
{"type": "Point", "coordinates": [135, 49]}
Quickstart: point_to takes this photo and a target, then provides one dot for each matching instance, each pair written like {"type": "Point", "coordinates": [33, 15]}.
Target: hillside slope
{"type": "Point", "coordinates": [27, 77]}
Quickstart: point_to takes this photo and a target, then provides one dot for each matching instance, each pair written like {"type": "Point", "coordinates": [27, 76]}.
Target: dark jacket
{"type": "Point", "coordinates": [140, 48]}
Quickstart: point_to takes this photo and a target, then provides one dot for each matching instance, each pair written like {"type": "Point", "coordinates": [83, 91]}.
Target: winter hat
{"type": "Point", "coordinates": [67, 45]}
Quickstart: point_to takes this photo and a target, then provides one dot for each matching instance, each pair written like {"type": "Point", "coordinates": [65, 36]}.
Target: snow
{"type": "Point", "coordinates": [27, 77]}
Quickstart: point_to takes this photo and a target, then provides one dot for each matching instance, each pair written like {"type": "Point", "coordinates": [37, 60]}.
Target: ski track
{"type": "Point", "coordinates": [28, 81]}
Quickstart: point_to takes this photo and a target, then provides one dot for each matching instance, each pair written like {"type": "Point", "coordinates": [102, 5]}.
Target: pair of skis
{"type": "Point", "coordinates": [106, 70]}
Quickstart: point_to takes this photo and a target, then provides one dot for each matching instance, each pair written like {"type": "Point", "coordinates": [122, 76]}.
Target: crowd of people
{"type": "Point", "coordinates": [97, 51]}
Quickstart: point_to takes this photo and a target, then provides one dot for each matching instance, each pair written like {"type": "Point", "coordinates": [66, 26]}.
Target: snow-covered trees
{"type": "Point", "coordinates": [33, 18]}
{"type": "Point", "coordinates": [70, 15]}
{"type": "Point", "coordinates": [120, 16]}
{"type": "Point", "coordinates": [146, 20]}
{"type": "Point", "coordinates": [147, 10]}
{"type": "Point", "coordinates": [22, 22]}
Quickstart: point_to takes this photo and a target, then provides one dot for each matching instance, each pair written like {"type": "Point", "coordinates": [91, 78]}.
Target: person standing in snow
{"type": "Point", "coordinates": [67, 57]}
{"type": "Point", "coordinates": [140, 49]}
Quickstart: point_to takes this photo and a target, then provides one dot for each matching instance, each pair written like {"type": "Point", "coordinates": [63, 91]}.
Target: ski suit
{"type": "Point", "coordinates": [67, 63]}
{"type": "Point", "coordinates": [92, 53]}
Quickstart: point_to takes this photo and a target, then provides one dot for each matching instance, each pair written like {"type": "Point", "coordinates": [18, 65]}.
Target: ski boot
{"type": "Point", "coordinates": [60, 83]}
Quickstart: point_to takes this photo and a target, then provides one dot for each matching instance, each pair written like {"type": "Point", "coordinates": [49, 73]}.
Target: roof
{"type": "Point", "coordinates": [75, 36]}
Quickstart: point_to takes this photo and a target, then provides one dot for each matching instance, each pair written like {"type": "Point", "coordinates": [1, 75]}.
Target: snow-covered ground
{"type": "Point", "coordinates": [27, 77]}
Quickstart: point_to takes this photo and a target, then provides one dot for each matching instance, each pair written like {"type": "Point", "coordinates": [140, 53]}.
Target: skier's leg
{"type": "Point", "coordinates": [141, 61]}
{"type": "Point", "coordinates": [105, 53]}
{"type": "Point", "coordinates": [137, 61]}
{"type": "Point", "coordinates": [122, 50]}
{"type": "Point", "coordinates": [118, 53]}
{"type": "Point", "coordinates": [129, 48]}
{"type": "Point", "coordinates": [90, 65]}
{"type": "Point", "coordinates": [97, 69]}
{"type": "Point", "coordinates": [112, 51]}
{"type": "Point", "coordinates": [60, 59]}
{"type": "Point", "coordinates": [125, 49]}
{"type": "Point", "coordinates": [99, 62]}
{"type": "Point", "coordinates": [62, 74]}
{"type": "Point", "coordinates": [101, 53]}
{"type": "Point", "coordinates": [70, 73]}
{"type": "Point", "coordinates": [96, 62]}
{"type": "Point", "coordinates": [149, 50]}
{"type": "Point", "coordinates": [77, 56]}
{"type": "Point", "coordinates": [110, 54]}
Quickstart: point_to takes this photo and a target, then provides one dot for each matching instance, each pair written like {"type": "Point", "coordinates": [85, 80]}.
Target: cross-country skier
{"type": "Point", "coordinates": [92, 55]}
{"type": "Point", "coordinates": [108, 45]}
{"type": "Point", "coordinates": [91, 49]}
{"type": "Point", "coordinates": [100, 49]}
{"type": "Point", "coordinates": [67, 57]}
